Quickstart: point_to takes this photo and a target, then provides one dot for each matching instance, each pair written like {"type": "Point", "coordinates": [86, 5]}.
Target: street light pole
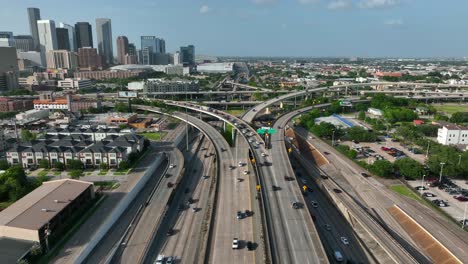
{"type": "Point", "coordinates": [464, 217]}
{"type": "Point", "coordinates": [333, 138]}
{"type": "Point", "coordinates": [441, 169]}
{"type": "Point", "coordinates": [422, 184]}
{"type": "Point", "coordinates": [186, 125]}
{"type": "Point", "coordinates": [459, 159]}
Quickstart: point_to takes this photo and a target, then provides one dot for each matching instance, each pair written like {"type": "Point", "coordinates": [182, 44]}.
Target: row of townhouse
{"type": "Point", "coordinates": [96, 133]}
{"type": "Point", "coordinates": [111, 150]}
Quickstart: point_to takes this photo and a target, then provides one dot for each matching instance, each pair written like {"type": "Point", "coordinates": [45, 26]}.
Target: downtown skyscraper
{"type": "Point", "coordinates": [84, 35]}
{"type": "Point", "coordinates": [104, 39]}
{"type": "Point", "coordinates": [47, 37]}
{"type": "Point", "coordinates": [122, 49]}
{"type": "Point", "coordinates": [71, 35]}
{"type": "Point", "coordinates": [34, 15]}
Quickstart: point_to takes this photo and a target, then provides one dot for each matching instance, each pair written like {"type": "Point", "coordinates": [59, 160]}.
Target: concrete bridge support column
{"type": "Point", "coordinates": [224, 126]}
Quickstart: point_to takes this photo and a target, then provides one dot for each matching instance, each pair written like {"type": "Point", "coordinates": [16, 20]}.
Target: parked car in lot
{"type": "Point", "coordinates": [428, 194]}
{"type": "Point", "coordinates": [421, 188]}
{"type": "Point", "coordinates": [461, 198]}
{"type": "Point", "coordinates": [440, 203]}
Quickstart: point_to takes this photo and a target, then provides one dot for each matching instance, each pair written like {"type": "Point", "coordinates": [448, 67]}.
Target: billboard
{"type": "Point", "coordinates": [127, 94]}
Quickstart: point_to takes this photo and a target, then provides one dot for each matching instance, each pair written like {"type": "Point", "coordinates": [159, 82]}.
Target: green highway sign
{"type": "Point", "coordinates": [261, 131]}
{"type": "Point", "coordinates": [271, 131]}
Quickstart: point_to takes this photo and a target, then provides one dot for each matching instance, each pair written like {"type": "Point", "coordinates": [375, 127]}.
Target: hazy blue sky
{"type": "Point", "coordinates": [369, 28]}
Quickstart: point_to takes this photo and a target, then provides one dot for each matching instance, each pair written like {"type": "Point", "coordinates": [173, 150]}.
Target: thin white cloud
{"type": "Point", "coordinates": [394, 22]}
{"type": "Point", "coordinates": [307, 2]}
{"type": "Point", "coordinates": [264, 2]}
{"type": "Point", "coordinates": [378, 3]}
{"type": "Point", "coordinates": [205, 9]}
{"type": "Point", "coordinates": [339, 4]}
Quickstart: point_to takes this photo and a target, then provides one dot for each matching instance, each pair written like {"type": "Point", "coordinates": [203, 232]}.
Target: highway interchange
{"type": "Point", "coordinates": [221, 179]}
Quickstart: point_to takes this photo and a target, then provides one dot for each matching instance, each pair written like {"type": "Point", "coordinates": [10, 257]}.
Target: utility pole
{"type": "Point", "coordinates": [441, 169]}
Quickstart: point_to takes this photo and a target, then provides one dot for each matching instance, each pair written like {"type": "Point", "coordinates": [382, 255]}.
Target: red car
{"type": "Point", "coordinates": [461, 198]}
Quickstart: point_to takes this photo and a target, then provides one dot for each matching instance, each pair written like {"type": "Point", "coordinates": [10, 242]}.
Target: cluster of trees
{"type": "Point", "coordinates": [14, 184]}
{"type": "Point", "coordinates": [27, 135]}
{"type": "Point", "coordinates": [405, 167]}
{"type": "Point", "coordinates": [394, 115]}
{"type": "Point", "coordinates": [459, 117]}
{"type": "Point", "coordinates": [350, 153]}
{"type": "Point", "coordinates": [8, 115]}
{"type": "Point", "coordinates": [431, 77]}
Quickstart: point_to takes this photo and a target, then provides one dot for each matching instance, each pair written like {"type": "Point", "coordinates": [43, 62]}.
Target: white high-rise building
{"type": "Point", "coordinates": [177, 58]}
{"type": "Point", "coordinates": [6, 39]}
{"type": "Point", "coordinates": [47, 37]}
{"type": "Point", "coordinates": [71, 35]}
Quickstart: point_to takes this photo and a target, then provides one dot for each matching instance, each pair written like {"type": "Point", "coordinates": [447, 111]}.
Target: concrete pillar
{"type": "Point", "coordinates": [224, 126]}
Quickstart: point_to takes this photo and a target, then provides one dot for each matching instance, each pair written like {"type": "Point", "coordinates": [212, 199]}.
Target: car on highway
{"type": "Point", "coordinates": [324, 177]}
{"type": "Point", "coordinates": [170, 184]}
{"type": "Point", "coordinates": [275, 188]}
{"type": "Point", "coordinates": [263, 154]}
{"type": "Point", "coordinates": [296, 205]}
{"type": "Point", "coordinates": [170, 232]}
{"type": "Point", "coordinates": [344, 240]}
{"type": "Point", "coordinates": [167, 175]}
{"type": "Point", "coordinates": [235, 243]}
{"type": "Point", "coordinates": [205, 177]}
{"type": "Point", "coordinates": [239, 215]}
{"type": "Point", "coordinates": [247, 213]}
{"type": "Point", "coordinates": [327, 227]}
{"type": "Point", "coordinates": [231, 167]}
{"type": "Point", "coordinates": [171, 166]}
{"type": "Point", "coordinates": [314, 204]}
{"type": "Point", "coordinates": [288, 178]}
{"type": "Point", "coordinates": [160, 259]}
{"type": "Point", "coordinates": [337, 190]}
{"type": "Point", "coordinates": [326, 153]}
{"type": "Point", "coordinates": [194, 209]}
{"type": "Point", "coordinates": [187, 190]}
{"type": "Point", "coordinates": [428, 194]}
{"type": "Point", "coordinates": [338, 256]}
{"type": "Point", "coordinates": [256, 142]}
{"type": "Point", "coordinates": [365, 175]}
{"type": "Point", "coordinates": [170, 260]}
{"type": "Point", "coordinates": [250, 246]}
{"type": "Point", "coordinates": [250, 140]}
{"type": "Point", "coordinates": [465, 222]}
{"type": "Point", "coordinates": [241, 164]}
{"type": "Point", "coordinates": [246, 172]}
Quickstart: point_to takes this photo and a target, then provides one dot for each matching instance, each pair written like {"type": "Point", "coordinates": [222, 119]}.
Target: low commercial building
{"type": "Point", "coordinates": [103, 75]}
{"type": "Point", "coordinates": [69, 102]}
{"type": "Point", "coordinates": [162, 85]}
{"type": "Point", "coordinates": [75, 84]}
{"type": "Point", "coordinates": [111, 150]}
{"type": "Point", "coordinates": [13, 105]}
{"type": "Point", "coordinates": [33, 114]}
{"type": "Point", "coordinates": [122, 118]}
{"type": "Point", "coordinates": [141, 123]}
{"type": "Point", "coordinates": [43, 215]}
{"type": "Point", "coordinates": [375, 112]}
{"type": "Point", "coordinates": [222, 67]}
{"type": "Point", "coordinates": [452, 135]}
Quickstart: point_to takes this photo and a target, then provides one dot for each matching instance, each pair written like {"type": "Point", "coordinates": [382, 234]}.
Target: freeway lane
{"type": "Point", "coordinates": [225, 221]}
{"type": "Point", "coordinates": [295, 238]}
{"type": "Point", "coordinates": [325, 213]}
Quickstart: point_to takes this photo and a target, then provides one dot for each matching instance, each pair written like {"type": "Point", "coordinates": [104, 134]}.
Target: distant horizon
{"type": "Point", "coordinates": [266, 28]}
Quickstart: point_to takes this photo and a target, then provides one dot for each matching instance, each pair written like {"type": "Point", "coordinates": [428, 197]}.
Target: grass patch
{"type": "Point", "coordinates": [228, 134]}
{"type": "Point", "coordinates": [155, 136]}
{"type": "Point", "coordinates": [43, 173]}
{"type": "Point", "coordinates": [236, 112]}
{"type": "Point", "coordinates": [102, 173]}
{"type": "Point", "coordinates": [119, 173]}
{"type": "Point", "coordinates": [4, 205]}
{"type": "Point", "coordinates": [405, 191]}
{"type": "Point", "coordinates": [57, 173]}
{"type": "Point", "coordinates": [451, 108]}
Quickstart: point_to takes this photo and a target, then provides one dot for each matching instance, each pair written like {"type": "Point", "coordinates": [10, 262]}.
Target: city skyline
{"type": "Point", "coordinates": [365, 28]}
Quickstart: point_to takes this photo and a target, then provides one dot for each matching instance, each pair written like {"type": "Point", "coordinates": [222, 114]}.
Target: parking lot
{"type": "Point", "coordinates": [455, 208]}
{"type": "Point", "coordinates": [375, 150]}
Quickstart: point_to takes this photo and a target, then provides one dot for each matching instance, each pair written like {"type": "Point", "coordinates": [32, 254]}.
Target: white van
{"type": "Point", "coordinates": [338, 256]}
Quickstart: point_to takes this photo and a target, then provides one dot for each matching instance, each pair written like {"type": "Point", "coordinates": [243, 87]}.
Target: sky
{"type": "Point", "coordinates": [303, 28]}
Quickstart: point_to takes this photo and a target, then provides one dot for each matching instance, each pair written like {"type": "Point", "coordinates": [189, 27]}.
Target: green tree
{"type": "Point", "coordinates": [325, 129]}
{"type": "Point", "coordinates": [75, 165]}
{"type": "Point", "coordinates": [59, 166]}
{"type": "Point", "coordinates": [121, 107]}
{"type": "Point", "coordinates": [43, 163]}
{"type": "Point", "coordinates": [124, 165]}
{"type": "Point", "coordinates": [382, 168]}
{"type": "Point", "coordinates": [459, 117]}
{"type": "Point", "coordinates": [103, 166]}
{"type": "Point", "coordinates": [14, 184]}
{"type": "Point", "coordinates": [409, 168]}
{"type": "Point", "coordinates": [27, 135]}
{"type": "Point", "coordinates": [362, 115]}
{"type": "Point", "coordinates": [360, 134]}
{"type": "Point", "coordinates": [75, 174]}
{"type": "Point", "coordinates": [4, 165]}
